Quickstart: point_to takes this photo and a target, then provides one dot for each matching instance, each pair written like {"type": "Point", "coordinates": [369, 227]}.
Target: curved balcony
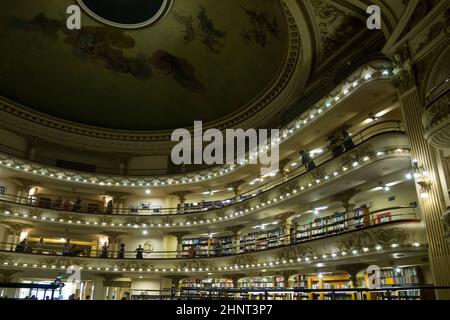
{"type": "Point", "coordinates": [373, 74]}
{"type": "Point", "coordinates": [403, 236]}
{"type": "Point", "coordinates": [436, 118]}
{"type": "Point", "coordinates": [360, 138]}
{"type": "Point", "coordinates": [384, 148]}
{"type": "Point", "coordinates": [303, 233]}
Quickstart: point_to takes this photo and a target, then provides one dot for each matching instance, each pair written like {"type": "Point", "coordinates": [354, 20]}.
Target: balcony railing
{"type": "Point", "coordinates": [86, 206]}
{"type": "Point", "coordinates": [351, 224]}
{"type": "Point", "coordinates": [387, 293]}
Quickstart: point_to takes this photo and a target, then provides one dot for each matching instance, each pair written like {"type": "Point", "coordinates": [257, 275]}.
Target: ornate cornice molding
{"type": "Point", "coordinates": [41, 125]}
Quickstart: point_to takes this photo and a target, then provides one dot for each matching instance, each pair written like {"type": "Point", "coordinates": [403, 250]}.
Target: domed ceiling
{"type": "Point", "coordinates": [187, 60]}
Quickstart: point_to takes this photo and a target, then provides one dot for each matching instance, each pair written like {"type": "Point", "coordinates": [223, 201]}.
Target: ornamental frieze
{"type": "Point", "coordinates": [372, 238]}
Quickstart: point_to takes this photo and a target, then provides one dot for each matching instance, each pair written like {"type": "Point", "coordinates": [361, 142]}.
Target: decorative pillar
{"type": "Point", "coordinates": [345, 199]}
{"type": "Point", "coordinates": [433, 207]}
{"type": "Point", "coordinates": [181, 197]}
{"type": "Point", "coordinates": [235, 278]}
{"type": "Point", "coordinates": [14, 231]}
{"type": "Point", "coordinates": [286, 275]}
{"type": "Point", "coordinates": [235, 186]}
{"type": "Point", "coordinates": [176, 283]}
{"type": "Point", "coordinates": [118, 201]}
{"type": "Point", "coordinates": [7, 276]}
{"type": "Point", "coordinates": [113, 243]}
{"type": "Point", "coordinates": [106, 290]}
{"type": "Point", "coordinates": [236, 237]}
{"type": "Point", "coordinates": [179, 236]}
{"type": "Point", "coordinates": [286, 219]}
{"type": "Point", "coordinates": [23, 188]}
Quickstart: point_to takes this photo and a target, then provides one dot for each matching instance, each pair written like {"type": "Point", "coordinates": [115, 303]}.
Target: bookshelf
{"type": "Point", "coordinates": [399, 277]}
{"type": "Point", "coordinates": [322, 226]}
{"type": "Point", "coordinates": [259, 283]}
{"type": "Point", "coordinates": [330, 281]}
{"type": "Point", "coordinates": [205, 247]}
{"type": "Point", "coordinates": [262, 240]}
{"type": "Point", "coordinates": [299, 282]}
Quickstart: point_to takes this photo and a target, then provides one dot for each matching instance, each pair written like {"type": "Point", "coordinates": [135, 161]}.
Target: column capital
{"type": "Point", "coordinates": [181, 194]}
{"type": "Point", "coordinates": [345, 197]}
{"type": "Point", "coordinates": [235, 229]}
{"type": "Point", "coordinates": [25, 183]}
{"type": "Point", "coordinates": [15, 228]}
{"type": "Point", "coordinates": [179, 234]}
{"type": "Point", "coordinates": [176, 279]}
{"type": "Point", "coordinates": [353, 270]}
{"type": "Point", "coordinates": [285, 216]}
{"type": "Point", "coordinates": [108, 277]}
{"type": "Point", "coordinates": [235, 185]}
{"type": "Point", "coordinates": [117, 195]}
{"type": "Point", "coordinates": [8, 274]}
{"type": "Point", "coordinates": [114, 235]}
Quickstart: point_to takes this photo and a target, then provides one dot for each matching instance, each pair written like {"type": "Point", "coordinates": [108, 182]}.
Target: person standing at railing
{"type": "Point", "coordinates": [104, 251]}
{"type": "Point", "coordinates": [40, 246]}
{"type": "Point", "coordinates": [109, 207]}
{"type": "Point", "coordinates": [347, 140]}
{"type": "Point", "coordinates": [140, 253]}
{"type": "Point", "coordinates": [67, 249]}
{"type": "Point", "coordinates": [307, 161]}
{"type": "Point", "coordinates": [77, 204]}
{"type": "Point", "coordinates": [122, 251]}
{"type": "Point", "coordinates": [22, 246]}
{"type": "Point", "coordinates": [58, 203]}
{"type": "Point", "coordinates": [334, 146]}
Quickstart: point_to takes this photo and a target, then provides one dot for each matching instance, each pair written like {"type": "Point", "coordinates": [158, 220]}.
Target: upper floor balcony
{"type": "Point", "coordinates": [376, 147]}
{"type": "Point", "coordinates": [366, 238]}
{"type": "Point", "coordinates": [348, 95]}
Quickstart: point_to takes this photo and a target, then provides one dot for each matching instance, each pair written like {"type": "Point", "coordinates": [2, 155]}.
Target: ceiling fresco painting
{"type": "Point", "coordinates": [193, 64]}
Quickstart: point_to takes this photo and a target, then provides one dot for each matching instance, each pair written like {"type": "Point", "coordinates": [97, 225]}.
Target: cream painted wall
{"type": "Point", "coordinates": [3, 237]}
{"type": "Point", "coordinates": [11, 188]}
{"type": "Point", "coordinates": [170, 243]}
{"type": "Point", "coordinates": [145, 284]}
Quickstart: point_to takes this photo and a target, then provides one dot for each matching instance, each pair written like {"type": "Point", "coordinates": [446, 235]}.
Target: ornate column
{"type": "Point", "coordinates": [286, 219]}
{"type": "Point", "coordinates": [432, 207]}
{"type": "Point", "coordinates": [235, 186]}
{"type": "Point", "coordinates": [118, 200]}
{"type": "Point", "coordinates": [113, 243]}
{"type": "Point", "coordinates": [176, 282]}
{"type": "Point", "coordinates": [23, 188]}
{"type": "Point", "coordinates": [107, 286]}
{"type": "Point", "coordinates": [8, 276]}
{"type": "Point", "coordinates": [14, 231]}
{"type": "Point", "coordinates": [345, 199]}
{"type": "Point", "coordinates": [286, 275]}
{"type": "Point", "coordinates": [182, 198]}
{"type": "Point", "coordinates": [235, 278]}
{"type": "Point", "coordinates": [236, 237]}
{"type": "Point", "coordinates": [180, 236]}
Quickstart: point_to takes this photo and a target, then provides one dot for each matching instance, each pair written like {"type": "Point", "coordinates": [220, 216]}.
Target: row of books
{"type": "Point", "coordinates": [321, 226]}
